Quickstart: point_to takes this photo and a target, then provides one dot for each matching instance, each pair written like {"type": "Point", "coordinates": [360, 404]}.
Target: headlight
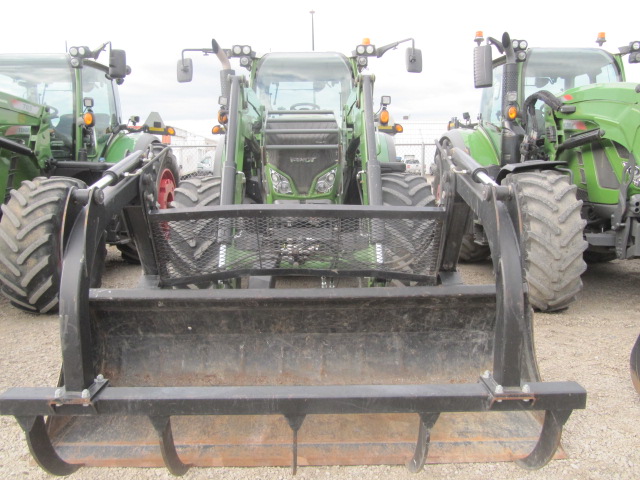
{"type": "Point", "coordinates": [280, 184]}
{"type": "Point", "coordinates": [326, 181]}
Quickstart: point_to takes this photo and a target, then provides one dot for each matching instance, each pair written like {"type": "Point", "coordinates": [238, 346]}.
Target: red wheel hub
{"type": "Point", "coordinates": [166, 186]}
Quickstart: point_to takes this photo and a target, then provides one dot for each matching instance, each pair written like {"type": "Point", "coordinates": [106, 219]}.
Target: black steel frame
{"type": "Point", "coordinates": [86, 393]}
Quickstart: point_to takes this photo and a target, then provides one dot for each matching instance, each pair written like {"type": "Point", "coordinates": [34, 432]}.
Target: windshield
{"type": "Point", "coordinates": [303, 81]}
{"type": "Point", "coordinates": [559, 69]}
{"type": "Point", "coordinates": [42, 81]}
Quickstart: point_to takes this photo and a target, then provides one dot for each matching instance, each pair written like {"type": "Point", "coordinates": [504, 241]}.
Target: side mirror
{"type": "Point", "coordinates": [185, 70]}
{"type": "Point", "coordinates": [482, 66]}
{"type": "Point", "coordinates": [118, 64]}
{"type": "Point", "coordinates": [414, 60]}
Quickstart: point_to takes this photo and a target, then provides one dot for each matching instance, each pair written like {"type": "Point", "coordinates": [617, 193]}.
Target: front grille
{"type": "Point", "coordinates": [302, 146]}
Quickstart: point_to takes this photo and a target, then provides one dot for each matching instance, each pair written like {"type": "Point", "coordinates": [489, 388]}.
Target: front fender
{"type": "Point", "coordinates": [118, 147]}
{"type": "Point", "coordinates": [474, 142]}
{"type": "Point", "coordinates": [124, 144]}
{"type": "Point", "coordinates": [386, 147]}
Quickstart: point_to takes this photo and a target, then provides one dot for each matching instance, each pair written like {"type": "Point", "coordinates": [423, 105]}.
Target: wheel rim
{"type": "Point", "coordinates": [166, 187]}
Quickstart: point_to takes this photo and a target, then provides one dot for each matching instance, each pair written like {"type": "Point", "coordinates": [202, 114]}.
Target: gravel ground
{"type": "Point", "coordinates": [590, 343]}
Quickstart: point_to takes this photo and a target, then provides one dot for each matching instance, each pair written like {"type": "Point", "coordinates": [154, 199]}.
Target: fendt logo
{"type": "Point", "coordinates": [302, 159]}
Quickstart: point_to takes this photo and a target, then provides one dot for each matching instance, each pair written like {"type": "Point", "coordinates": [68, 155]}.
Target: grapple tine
{"type": "Point", "coordinates": [548, 442]}
{"type": "Point", "coordinates": [170, 456]}
{"type": "Point", "coordinates": [41, 448]}
{"type": "Point", "coordinates": [635, 365]}
{"type": "Point", "coordinates": [427, 421]}
{"type": "Point", "coordinates": [295, 422]}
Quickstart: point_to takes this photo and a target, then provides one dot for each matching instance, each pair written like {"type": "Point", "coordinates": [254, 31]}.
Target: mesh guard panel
{"type": "Point", "coordinates": [226, 243]}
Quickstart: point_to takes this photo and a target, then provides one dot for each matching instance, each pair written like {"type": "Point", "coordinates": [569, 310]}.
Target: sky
{"type": "Point", "coordinates": [155, 34]}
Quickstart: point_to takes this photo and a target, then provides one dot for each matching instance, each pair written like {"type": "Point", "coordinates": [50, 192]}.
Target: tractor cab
{"type": "Point", "coordinates": [552, 69]}
{"type": "Point", "coordinates": [303, 81]}
{"type": "Point", "coordinates": [80, 95]}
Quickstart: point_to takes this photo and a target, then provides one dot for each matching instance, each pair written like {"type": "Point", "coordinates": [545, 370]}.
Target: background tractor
{"type": "Point", "coordinates": [559, 126]}
{"type": "Point", "coordinates": [61, 129]}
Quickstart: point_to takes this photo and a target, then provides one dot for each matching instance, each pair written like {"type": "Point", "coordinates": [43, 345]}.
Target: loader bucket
{"type": "Point", "coordinates": [433, 371]}
{"type": "Point", "coordinates": [302, 338]}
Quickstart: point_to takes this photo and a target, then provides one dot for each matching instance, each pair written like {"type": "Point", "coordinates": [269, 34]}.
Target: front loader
{"type": "Point", "coordinates": [61, 128]}
{"type": "Point", "coordinates": [273, 332]}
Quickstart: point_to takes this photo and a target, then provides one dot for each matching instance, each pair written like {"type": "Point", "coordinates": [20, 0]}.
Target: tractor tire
{"type": "Point", "coordinates": [129, 252]}
{"type": "Point", "coordinates": [31, 233]}
{"type": "Point", "coordinates": [635, 365]}
{"type": "Point", "coordinates": [413, 243]}
{"type": "Point", "coordinates": [552, 239]}
{"type": "Point", "coordinates": [472, 252]}
{"type": "Point", "coordinates": [198, 192]}
{"type": "Point", "coordinates": [190, 247]}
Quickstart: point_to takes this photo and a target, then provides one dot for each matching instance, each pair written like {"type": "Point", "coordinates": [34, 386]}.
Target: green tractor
{"type": "Point", "coordinates": [559, 126]}
{"type": "Point", "coordinates": [61, 129]}
{"type": "Point", "coordinates": [297, 132]}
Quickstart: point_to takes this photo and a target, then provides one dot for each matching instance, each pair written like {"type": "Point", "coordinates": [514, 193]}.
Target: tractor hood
{"type": "Point", "coordinates": [18, 111]}
{"type": "Point", "coordinates": [611, 107]}
{"type": "Point", "coordinates": [622, 92]}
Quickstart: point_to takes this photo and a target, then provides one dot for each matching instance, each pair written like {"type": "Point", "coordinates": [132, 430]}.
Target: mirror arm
{"type": "Point", "coordinates": [206, 51]}
{"type": "Point", "coordinates": [384, 49]}
{"type": "Point", "coordinates": [497, 43]}
{"type": "Point", "coordinates": [96, 53]}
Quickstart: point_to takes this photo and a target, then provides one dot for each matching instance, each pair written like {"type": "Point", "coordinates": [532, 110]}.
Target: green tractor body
{"type": "Point", "coordinates": [296, 132]}
{"type": "Point", "coordinates": [60, 128]}
{"type": "Point", "coordinates": [573, 115]}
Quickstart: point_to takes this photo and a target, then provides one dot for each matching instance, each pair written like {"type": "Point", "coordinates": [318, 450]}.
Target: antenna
{"type": "Point", "coordinates": [313, 43]}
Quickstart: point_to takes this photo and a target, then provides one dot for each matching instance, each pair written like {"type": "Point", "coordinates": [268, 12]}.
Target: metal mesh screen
{"type": "Point", "coordinates": [217, 246]}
